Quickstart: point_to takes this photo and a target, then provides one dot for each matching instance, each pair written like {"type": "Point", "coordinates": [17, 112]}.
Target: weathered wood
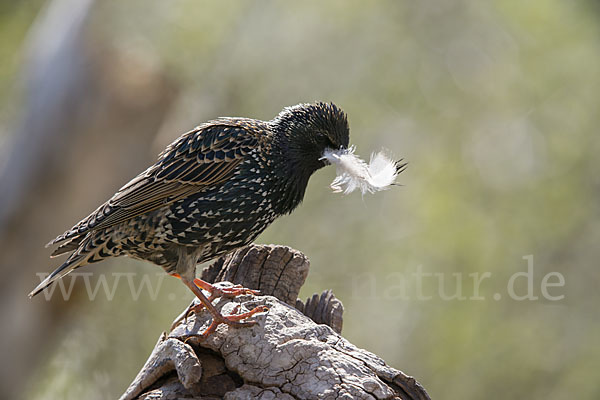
{"type": "Point", "coordinates": [278, 271]}
{"type": "Point", "coordinates": [286, 355]}
{"type": "Point", "coordinates": [324, 309]}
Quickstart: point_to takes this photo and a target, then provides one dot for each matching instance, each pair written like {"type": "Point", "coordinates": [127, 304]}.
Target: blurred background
{"type": "Point", "coordinates": [494, 104]}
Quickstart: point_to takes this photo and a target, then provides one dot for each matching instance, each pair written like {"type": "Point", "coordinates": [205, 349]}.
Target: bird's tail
{"type": "Point", "coordinates": [86, 253]}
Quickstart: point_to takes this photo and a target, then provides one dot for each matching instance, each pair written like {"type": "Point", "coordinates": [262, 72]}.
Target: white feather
{"type": "Point", "coordinates": [354, 173]}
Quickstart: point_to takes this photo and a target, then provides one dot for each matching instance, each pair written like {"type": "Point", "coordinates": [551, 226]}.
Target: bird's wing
{"type": "Point", "coordinates": [203, 157]}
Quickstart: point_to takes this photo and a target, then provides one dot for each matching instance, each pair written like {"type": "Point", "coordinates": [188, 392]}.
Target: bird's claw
{"type": "Point", "coordinates": [232, 292]}
{"type": "Point", "coordinates": [234, 320]}
{"type": "Point", "coordinates": [215, 292]}
{"type": "Point", "coordinates": [192, 308]}
{"type": "Point", "coordinates": [227, 292]}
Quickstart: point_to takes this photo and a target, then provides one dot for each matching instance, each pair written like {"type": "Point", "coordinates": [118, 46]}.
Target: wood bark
{"type": "Point", "coordinates": [295, 350]}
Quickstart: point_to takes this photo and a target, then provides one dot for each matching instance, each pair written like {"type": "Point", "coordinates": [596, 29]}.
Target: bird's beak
{"type": "Point", "coordinates": [327, 154]}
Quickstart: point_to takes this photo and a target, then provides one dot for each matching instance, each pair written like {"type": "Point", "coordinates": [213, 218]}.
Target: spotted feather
{"type": "Point", "coordinates": [205, 156]}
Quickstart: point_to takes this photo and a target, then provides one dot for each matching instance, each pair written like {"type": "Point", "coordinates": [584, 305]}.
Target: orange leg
{"type": "Point", "coordinates": [215, 292]}
{"type": "Point", "coordinates": [232, 320]}
{"type": "Point", "coordinates": [230, 292]}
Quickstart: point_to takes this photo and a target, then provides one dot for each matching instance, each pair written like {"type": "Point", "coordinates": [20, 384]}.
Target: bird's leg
{"type": "Point", "coordinates": [185, 268]}
{"type": "Point", "coordinates": [218, 318]}
{"type": "Point", "coordinates": [228, 292]}
{"type": "Point", "coordinates": [216, 292]}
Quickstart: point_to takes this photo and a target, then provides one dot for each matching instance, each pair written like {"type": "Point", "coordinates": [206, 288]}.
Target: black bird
{"type": "Point", "coordinates": [213, 190]}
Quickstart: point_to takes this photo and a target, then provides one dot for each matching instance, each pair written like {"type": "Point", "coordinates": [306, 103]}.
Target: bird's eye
{"type": "Point", "coordinates": [324, 138]}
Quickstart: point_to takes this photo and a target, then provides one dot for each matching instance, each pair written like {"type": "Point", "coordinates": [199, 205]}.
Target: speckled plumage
{"type": "Point", "coordinates": [214, 189]}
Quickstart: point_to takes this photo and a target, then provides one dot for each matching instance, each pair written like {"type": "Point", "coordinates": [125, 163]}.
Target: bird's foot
{"type": "Point", "coordinates": [234, 320]}
{"type": "Point", "coordinates": [216, 292]}
{"type": "Point", "coordinates": [227, 292]}
{"type": "Point", "coordinates": [192, 308]}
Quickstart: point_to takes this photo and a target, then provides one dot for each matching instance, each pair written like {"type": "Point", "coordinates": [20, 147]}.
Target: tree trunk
{"type": "Point", "coordinates": [294, 351]}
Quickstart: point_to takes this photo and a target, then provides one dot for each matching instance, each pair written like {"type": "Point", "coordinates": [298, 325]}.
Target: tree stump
{"type": "Point", "coordinates": [295, 351]}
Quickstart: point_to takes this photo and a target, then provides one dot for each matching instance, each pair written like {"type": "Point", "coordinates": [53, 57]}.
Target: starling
{"type": "Point", "coordinates": [213, 190]}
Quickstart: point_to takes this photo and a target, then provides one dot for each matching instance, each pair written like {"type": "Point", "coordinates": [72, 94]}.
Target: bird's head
{"type": "Point", "coordinates": [305, 131]}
